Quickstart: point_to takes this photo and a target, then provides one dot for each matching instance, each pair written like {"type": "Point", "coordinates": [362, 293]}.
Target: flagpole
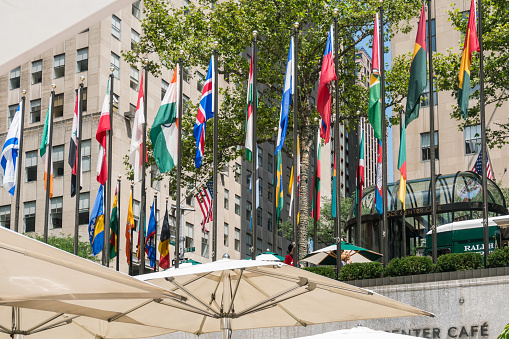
{"type": "Point", "coordinates": [118, 224]}
{"type": "Point", "coordinates": [483, 139]}
{"type": "Point", "coordinates": [179, 162]}
{"type": "Point", "coordinates": [358, 179]}
{"type": "Point", "coordinates": [216, 122]}
{"type": "Point", "coordinates": [295, 151]}
{"type": "Point", "coordinates": [48, 167]}
{"type": "Point", "coordinates": [254, 177]}
{"type": "Point", "coordinates": [156, 265]}
{"type": "Point", "coordinates": [385, 238]}
{"type": "Point", "coordinates": [403, 214]}
{"type": "Point", "coordinates": [274, 203]}
{"type": "Point", "coordinates": [337, 154]}
{"type": "Point", "coordinates": [313, 195]}
{"type": "Point", "coordinates": [107, 211]}
{"type": "Point", "coordinates": [432, 141]}
{"type": "Point", "coordinates": [132, 234]}
{"type": "Point", "coordinates": [78, 168]}
{"type": "Point", "coordinates": [143, 214]}
{"type": "Point", "coordinates": [19, 162]}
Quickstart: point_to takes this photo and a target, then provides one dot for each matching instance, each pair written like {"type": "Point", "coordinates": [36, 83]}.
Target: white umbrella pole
{"type": "Point", "coordinates": [226, 320]}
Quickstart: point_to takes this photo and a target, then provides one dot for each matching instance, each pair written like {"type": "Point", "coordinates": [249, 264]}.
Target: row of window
{"type": "Point", "coordinates": [472, 141]}
{"type": "Point", "coordinates": [259, 246]}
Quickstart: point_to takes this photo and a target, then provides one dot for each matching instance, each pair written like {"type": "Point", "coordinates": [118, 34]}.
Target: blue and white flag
{"type": "Point", "coordinates": [205, 112]}
{"type": "Point", "coordinates": [10, 150]}
{"type": "Point", "coordinates": [150, 242]}
{"type": "Point", "coordinates": [288, 90]}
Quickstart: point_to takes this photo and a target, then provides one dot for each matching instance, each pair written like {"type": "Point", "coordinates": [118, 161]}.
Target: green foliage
{"type": "Point", "coordinates": [409, 266]}
{"type": "Point", "coordinates": [498, 258]}
{"type": "Point", "coordinates": [65, 242]}
{"type": "Point", "coordinates": [505, 333]}
{"type": "Point", "coordinates": [358, 271]}
{"type": "Point", "coordinates": [459, 262]}
{"type": "Point", "coordinates": [326, 271]}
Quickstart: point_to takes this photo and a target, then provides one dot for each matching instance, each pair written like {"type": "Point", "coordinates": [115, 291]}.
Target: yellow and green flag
{"type": "Point", "coordinates": [114, 228]}
{"type": "Point", "coordinates": [279, 186]}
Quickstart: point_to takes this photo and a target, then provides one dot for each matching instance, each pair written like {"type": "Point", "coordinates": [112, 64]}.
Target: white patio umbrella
{"type": "Point", "coordinates": [242, 294]}
{"type": "Point", "coordinates": [327, 255]}
{"type": "Point", "coordinates": [358, 333]}
{"type": "Point", "coordinates": [42, 288]}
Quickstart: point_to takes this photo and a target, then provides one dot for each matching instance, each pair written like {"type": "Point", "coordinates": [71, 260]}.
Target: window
{"type": "Point", "coordinates": [189, 233]}
{"type": "Point", "coordinates": [116, 100]}
{"type": "Point", "coordinates": [136, 9]}
{"type": "Point", "coordinates": [248, 179]}
{"type": "Point", "coordinates": [259, 246]}
{"type": "Point", "coordinates": [249, 244]}
{"type": "Point", "coordinates": [173, 229]}
{"type": "Point", "coordinates": [238, 171]}
{"type": "Point", "coordinates": [56, 212]}
{"type": "Point", "coordinates": [433, 36]}
{"type": "Point", "coordinates": [135, 78]}
{"type": "Point", "coordinates": [14, 78]}
{"type": "Point", "coordinates": [190, 200]}
{"type": "Point", "coordinates": [85, 155]}
{"type": "Point", "coordinates": [84, 208]}
{"type": "Point", "coordinates": [185, 75]}
{"type": "Point", "coordinates": [260, 187]}
{"type": "Point", "coordinates": [269, 192]}
{"type": "Point", "coordinates": [82, 60]}
{"type": "Point", "coordinates": [58, 106]}
{"type": "Point", "coordinates": [164, 88]}
{"type": "Point", "coordinates": [185, 101]}
{"type": "Point", "coordinates": [269, 247]}
{"type": "Point", "coordinates": [12, 112]}
{"type": "Point", "coordinates": [425, 146]}
{"type": "Point", "coordinates": [115, 26]}
{"type": "Point", "coordinates": [248, 210]}
{"type": "Point", "coordinates": [425, 95]}
{"type": "Point", "coordinates": [259, 217]}
{"type": "Point", "coordinates": [226, 199]}
{"type": "Point", "coordinates": [135, 39]}
{"type": "Point", "coordinates": [237, 239]}
{"type": "Point", "coordinates": [57, 156]}
{"type": "Point", "coordinates": [5, 216]}
{"type": "Point", "coordinates": [225, 234]}
{"type": "Point", "coordinates": [31, 166]}
{"type": "Point", "coordinates": [280, 251]}
{"type": "Point", "coordinates": [115, 63]}
{"type": "Point", "coordinates": [58, 66]}
{"type": "Point", "coordinates": [204, 244]}
{"type": "Point", "coordinates": [237, 204]}
{"type": "Point", "coordinates": [136, 214]}
{"type": "Point", "coordinates": [260, 156]}
{"type": "Point", "coordinates": [472, 139]}
{"type": "Point", "coordinates": [155, 178]}
{"type": "Point", "coordinates": [200, 80]}
{"type": "Point", "coordinates": [269, 222]}
{"type": "Point", "coordinates": [29, 216]}
{"type": "Point", "coordinates": [84, 103]}
{"type": "Point", "coordinates": [36, 72]}
{"type": "Point", "coordinates": [270, 163]}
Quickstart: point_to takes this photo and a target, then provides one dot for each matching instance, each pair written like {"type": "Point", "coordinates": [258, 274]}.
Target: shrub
{"type": "Point", "coordinates": [358, 271]}
{"type": "Point", "coordinates": [409, 266]}
{"type": "Point", "coordinates": [459, 262]}
{"type": "Point", "coordinates": [498, 258]}
{"type": "Point", "coordinates": [326, 271]}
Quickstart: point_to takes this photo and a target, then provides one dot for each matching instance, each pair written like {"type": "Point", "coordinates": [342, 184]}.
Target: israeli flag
{"type": "Point", "coordinates": [10, 150]}
{"type": "Point", "coordinates": [288, 91]}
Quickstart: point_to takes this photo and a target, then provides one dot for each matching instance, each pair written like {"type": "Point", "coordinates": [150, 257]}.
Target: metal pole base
{"type": "Point", "coordinates": [226, 326]}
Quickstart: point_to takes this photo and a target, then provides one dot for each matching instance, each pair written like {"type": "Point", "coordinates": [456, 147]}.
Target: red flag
{"type": "Point", "coordinates": [100, 135]}
{"type": "Point", "coordinates": [323, 98]}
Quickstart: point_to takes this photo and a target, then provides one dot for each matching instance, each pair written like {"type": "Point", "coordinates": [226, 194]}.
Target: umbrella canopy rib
{"type": "Point", "coordinates": [50, 319]}
{"type": "Point", "coordinates": [191, 295]}
{"type": "Point", "coordinates": [239, 274]}
{"type": "Point", "coordinates": [120, 315]}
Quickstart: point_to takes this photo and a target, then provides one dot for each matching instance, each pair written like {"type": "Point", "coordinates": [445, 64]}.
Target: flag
{"type": "Point", "coordinates": [114, 227]}
{"type": "Point", "coordinates": [135, 157]}
{"type": "Point", "coordinates": [288, 89]}
{"type": "Point", "coordinates": [96, 223]}
{"type": "Point", "coordinates": [333, 207]}
{"type": "Point", "coordinates": [257, 185]}
{"type": "Point", "coordinates": [129, 226]}
{"type": "Point", "coordinates": [164, 131]}
{"type": "Point", "coordinates": [204, 198]}
{"type": "Point", "coordinates": [279, 187]}
{"type": "Point", "coordinates": [249, 113]}
{"type": "Point", "coordinates": [360, 174]}
{"type": "Point", "coordinates": [10, 152]}
{"type": "Point", "coordinates": [73, 146]}
{"type": "Point", "coordinates": [418, 73]}
{"type": "Point", "coordinates": [478, 166]}
{"type": "Point", "coordinates": [46, 147]}
{"type": "Point", "coordinates": [164, 243]}
{"type": "Point", "coordinates": [471, 44]}
{"type": "Point", "coordinates": [315, 201]}
{"type": "Point", "coordinates": [378, 191]}
{"type": "Point", "coordinates": [402, 167]}
{"type": "Point", "coordinates": [290, 188]}
{"type": "Point", "coordinates": [205, 112]}
{"type": "Point", "coordinates": [375, 87]}
{"type": "Point", "coordinates": [323, 98]}
{"type": "Point", "coordinates": [140, 229]}
{"type": "Point", "coordinates": [150, 240]}
{"type": "Point", "coordinates": [100, 136]}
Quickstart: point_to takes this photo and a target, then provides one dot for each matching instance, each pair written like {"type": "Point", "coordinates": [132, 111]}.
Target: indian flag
{"type": "Point", "coordinates": [471, 45]}
{"type": "Point", "coordinates": [375, 87]}
{"type": "Point", "coordinates": [249, 114]}
{"type": "Point", "coordinates": [46, 147]}
{"type": "Point", "coordinates": [164, 131]}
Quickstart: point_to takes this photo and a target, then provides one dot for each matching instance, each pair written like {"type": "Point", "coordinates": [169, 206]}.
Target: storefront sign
{"type": "Point", "coordinates": [459, 331]}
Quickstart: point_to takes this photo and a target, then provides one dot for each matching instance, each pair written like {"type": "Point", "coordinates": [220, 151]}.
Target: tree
{"type": "Point", "coordinates": [194, 28]}
{"type": "Point", "coordinates": [65, 242]}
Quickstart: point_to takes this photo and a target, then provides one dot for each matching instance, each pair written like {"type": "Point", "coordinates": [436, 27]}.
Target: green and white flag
{"type": "Point", "coordinates": [164, 131]}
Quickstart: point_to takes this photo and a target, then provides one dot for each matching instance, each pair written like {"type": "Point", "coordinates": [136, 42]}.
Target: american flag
{"type": "Point", "coordinates": [204, 198]}
{"type": "Point", "coordinates": [478, 166]}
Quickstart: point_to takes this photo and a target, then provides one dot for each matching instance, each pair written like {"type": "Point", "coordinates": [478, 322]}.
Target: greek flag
{"type": "Point", "coordinates": [286, 100]}
{"type": "Point", "coordinates": [10, 150]}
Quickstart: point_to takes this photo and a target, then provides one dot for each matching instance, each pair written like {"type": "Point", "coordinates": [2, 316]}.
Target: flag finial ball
{"type": "Point", "coordinates": [296, 25]}
{"type": "Point", "coordinates": [358, 112]}
{"type": "Point", "coordinates": [119, 176]}
{"type": "Point", "coordinates": [53, 86]}
{"type": "Point", "coordinates": [111, 69]}
{"type": "Point", "coordinates": [255, 34]}
{"type": "Point", "coordinates": [82, 78]}
{"type": "Point", "coordinates": [316, 119]}
{"type": "Point", "coordinates": [335, 11]}
{"type": "Point", "coordinates": [275, 129]}
{"type": "Point", "coordinates": [216, 44]}
{"type": "Point", "coordinates": [24, 91]}
{"type": "Point", "coordinates": [181, 52]}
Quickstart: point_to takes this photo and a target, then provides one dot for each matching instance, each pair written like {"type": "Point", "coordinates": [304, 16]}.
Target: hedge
{"type": "Point", "coordinates": [409, 266]}
{"type": "Point", "coordinates": [498, 258]}
{"type": "Point", "coordinates": [459, 262]}
{"type": "Point", "coordinates": [358, 271]}
{"type": "Point", "coordinates": [326, 271]}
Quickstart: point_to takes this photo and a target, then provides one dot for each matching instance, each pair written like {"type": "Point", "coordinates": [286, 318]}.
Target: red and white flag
{"type": "Point", "coordinates": [204, 198]}
{"type": "Point", "coordinates": [135, 157]}
{"type": "Point", "coordinates": [100, 135]}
